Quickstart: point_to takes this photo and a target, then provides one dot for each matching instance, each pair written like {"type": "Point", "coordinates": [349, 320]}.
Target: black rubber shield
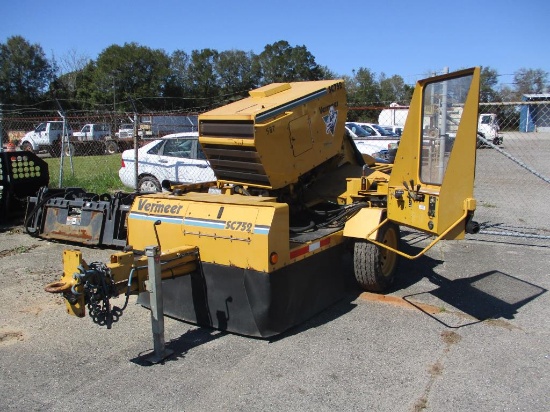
{"type": "Point", "coordinates": [254, 303]}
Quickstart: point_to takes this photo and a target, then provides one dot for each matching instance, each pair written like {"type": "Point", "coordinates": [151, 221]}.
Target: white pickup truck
{"type": "Point", "coordinates": [48, 136]}
{"type": "Point", "coordinates": [93, 131]}
{"type": "Point", "coordinates": [489, 129]}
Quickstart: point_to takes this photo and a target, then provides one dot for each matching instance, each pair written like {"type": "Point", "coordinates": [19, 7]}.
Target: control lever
{"type": "Point", "coordinates": [414, 195]}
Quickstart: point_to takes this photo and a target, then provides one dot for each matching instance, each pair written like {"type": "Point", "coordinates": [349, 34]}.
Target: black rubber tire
{"type": "Point", "coordinates": [69, 149]}
{"type": "Point", "coordinates": [27, 147]}
{"type": "Point", "coordinates": [479, 143]}
{"type": "Point", "coordinates": [111, 147]}
{"type": "Point", "coordinates": [375, 267]}
{"type": "Point", "coordinates": [55, 149]}
{"type": "Point", "coordinates": [148, 184]}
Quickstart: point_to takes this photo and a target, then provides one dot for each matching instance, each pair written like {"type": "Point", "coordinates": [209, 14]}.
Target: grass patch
{"type": "Point", "coordinates": [96, 174]}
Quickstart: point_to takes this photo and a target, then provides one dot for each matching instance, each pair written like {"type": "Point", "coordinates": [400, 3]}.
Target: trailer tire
{"type": "Point", "coordinates": [54, 149]}
{"type": "Point", "coordinates": [374, 267]}
{"type": "Point", "coordinates": [149, 184]}
{"type": "Point", "coordinates": [111, 147]}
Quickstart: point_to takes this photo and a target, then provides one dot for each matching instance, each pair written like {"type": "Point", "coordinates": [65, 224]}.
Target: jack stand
{"type": "Point", "coordinates": [159, 352]}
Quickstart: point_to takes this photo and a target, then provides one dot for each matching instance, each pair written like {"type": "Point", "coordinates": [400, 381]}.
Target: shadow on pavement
{"type": "Point", "coordinates": [489, 295]}
{"type": "Point", "coordinates": [181, 345]}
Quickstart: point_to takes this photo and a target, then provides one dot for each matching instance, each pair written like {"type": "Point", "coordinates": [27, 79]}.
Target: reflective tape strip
{"type": "Point", "coordinates": [309, 248]}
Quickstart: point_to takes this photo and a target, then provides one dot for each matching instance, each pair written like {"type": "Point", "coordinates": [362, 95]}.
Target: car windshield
{"type": "Point", "coordinates": [358, 130]}
{"type": "Point", "coordinates": [382, 131]}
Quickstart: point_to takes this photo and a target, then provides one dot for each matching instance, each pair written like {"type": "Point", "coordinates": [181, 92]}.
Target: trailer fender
{"type": "Point", "coordinates": [361, 224]}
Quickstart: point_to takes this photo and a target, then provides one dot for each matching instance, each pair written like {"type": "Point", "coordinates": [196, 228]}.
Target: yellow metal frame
{"type": "Point", "coordinates": [438, 207]}
{"type": "Point", "coordinates": [423, 251]}
{"type": "Point", "coordinates": [441, 210]}
{"type": "Point", "coordinates": [126, 269]}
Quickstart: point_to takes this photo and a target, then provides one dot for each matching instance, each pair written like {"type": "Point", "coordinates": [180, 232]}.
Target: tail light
{"type": "Point", "coordinates": [122, 162]}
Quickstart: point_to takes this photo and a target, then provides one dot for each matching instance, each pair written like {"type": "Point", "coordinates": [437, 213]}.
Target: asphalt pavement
{"type": "Point", "coordinates": [466, 328]}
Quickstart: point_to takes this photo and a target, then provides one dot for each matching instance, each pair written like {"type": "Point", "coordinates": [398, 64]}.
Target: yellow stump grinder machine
{"type": "Point", "coordinates": [260, 249]}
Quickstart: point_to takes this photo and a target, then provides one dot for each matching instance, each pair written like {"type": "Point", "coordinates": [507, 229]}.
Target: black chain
{"type": "Point", "coordinates": [98, 289]}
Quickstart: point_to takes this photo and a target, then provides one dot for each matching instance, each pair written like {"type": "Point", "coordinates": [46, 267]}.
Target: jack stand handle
{"type": "Point", "coordinates": [157, 307]}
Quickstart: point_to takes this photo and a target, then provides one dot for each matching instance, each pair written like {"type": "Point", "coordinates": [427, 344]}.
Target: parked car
{"type": "Point", "coordinates": [371, 139]}
{"type": "Point", "coordinates": [176, 157]}
{"type": "Point", "coordinates": [397, 130]}
{"type": "Point", "coordinates": [377, 130]}
{"type": "Point", "coordinates": [356, 131]}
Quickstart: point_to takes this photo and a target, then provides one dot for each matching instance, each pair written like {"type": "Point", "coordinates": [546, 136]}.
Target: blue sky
{"type": "Point", "coordinates": [405, 37]}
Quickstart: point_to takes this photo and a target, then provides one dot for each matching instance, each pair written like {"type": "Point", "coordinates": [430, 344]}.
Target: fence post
{"type": "Point", "coordinates": [136, 147]}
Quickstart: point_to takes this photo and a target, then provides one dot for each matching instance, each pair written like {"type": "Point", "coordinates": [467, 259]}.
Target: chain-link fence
{"type": "Point", "coordinates": [512, 184]}
{"type": "Point", "coordinates": [512, 177]}
{"type": "Point", "coordinates": [98, 151]}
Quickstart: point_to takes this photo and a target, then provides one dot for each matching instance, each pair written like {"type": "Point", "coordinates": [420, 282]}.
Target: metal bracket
{"type": "Point", "coordinates": [159, 352]}
{"type": "Point", "coordinates": [423, 251]}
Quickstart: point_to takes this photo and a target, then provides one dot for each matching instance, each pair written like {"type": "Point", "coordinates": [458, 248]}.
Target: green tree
{"type": "Point", "coordinates": [125, 74]}
{"type": "Point", "coordinates": [530, 81]}
{"type": "Point", "coordinates": [203, 77]}
{"type": "Point", "coordinates": [394, 89]}
{"type": "Point", "coordinates": [363, 90]}
{"type": "Point", "coordinates": [84, 84]}
{"type": "Point", "coordinates": [25, 72]}
{"type": "Point", "coordinates": [508, 115]}
{"type": "Point", "coordinates": [70, 67]}
{"type": "Point", "coordinates": [69, 70]}
{"type": "Point", "coordinates": [368, 89]}
{"type": "Point", "coordinates": [238, 72]}
{"type": "Point", "coordinates": [280, 62]}
{"type": "Point", "coordinates": [488, 82]}
{"type": "Point", "coordinates": [327, 74]}
{"type": "Point", "coordinates": [178, 85]}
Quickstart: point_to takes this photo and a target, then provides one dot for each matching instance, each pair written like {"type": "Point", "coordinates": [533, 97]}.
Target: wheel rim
{"type": "Point", "coordinates": [148, 186]}
{"type": "Point", "coordinates": [111, 148]}
{"type": "Point", "coordinates": [388, 259]}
